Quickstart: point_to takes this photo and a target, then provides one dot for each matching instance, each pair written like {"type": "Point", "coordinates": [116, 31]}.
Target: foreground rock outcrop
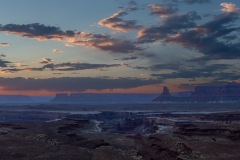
{"type": "Point", "coordinates": [213, 136]}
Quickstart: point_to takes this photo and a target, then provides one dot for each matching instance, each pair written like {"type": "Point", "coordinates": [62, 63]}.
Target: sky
{"type": "Point", "coordinates": [117, 46]}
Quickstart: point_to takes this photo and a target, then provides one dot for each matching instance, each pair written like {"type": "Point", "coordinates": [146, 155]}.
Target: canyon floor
{"type": "Point", "coordinates": [108, 135]}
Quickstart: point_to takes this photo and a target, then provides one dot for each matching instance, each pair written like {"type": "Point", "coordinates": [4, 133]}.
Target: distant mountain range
{"type": "Point", "coordinates": [230, 93]}
{"type": "Point", "coordinates": [20, 99]}
{"type": "Point", "coordinates": [111, 98]}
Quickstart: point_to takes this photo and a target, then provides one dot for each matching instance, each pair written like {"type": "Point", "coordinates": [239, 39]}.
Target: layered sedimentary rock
{"type": "Point", "coordinates": [95, 98]}
{"type": "Point", "coordinates": [230, 90]}
{"type": "Point", "coordinates": [229, 93]}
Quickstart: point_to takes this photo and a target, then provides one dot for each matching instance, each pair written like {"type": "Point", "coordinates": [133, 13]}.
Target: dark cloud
{"type": "Point", "coordinates": [75, 84]}
{"type": "Point", "coordinates": [189, 74]}
{"type": "Point", "coordinates": [187, 67]}
{"type": "Point", "coordinates": [161, 66]}
{"type": "Point", "coordinates": [217, 67]}
{"type": "Point", "coordinates": [37, 31]}
{"type": "Point", "coordinates": [132, 3]}
{"type": "Point", "coordinates": [215, 71]}
{"type": "Point", "coordinates": [158, 67]}
{"type": "Point", "coordinates": [219, 22]}
{"type": "Point", "coordinates": [68, 66]}
{"type": "Point", "coordinates": [12, 70]}
{"type": "Point", "coordinates": [4, 63]}
{"type": "Point", "coordinates": [189, 2]}
{"type": "Point", "coordinates": [163, 11]}
{"type": "Point", "coordinates": [230, 37]}
{"type": "Point", "coordinates": [4, 44]}
{"type": "Point", "coordinates": [127, 58]}
{"type": "Point", "coordinates": [196, 1]}
{"type": "Point", "coordinates": [42, 32]}
{"type": "Point", "coordinates": [170, 27]}
{"type": "Point", "coordinates": [106, 43]}
{"type": "Point", "coordinates": [143, 55]}
{"type": "Point", "coordinates": [77, 66]}
{"type": "Point", "coordinates": [140, 67]}
{"type": "Point", "coordinates": [183, 21]}
{"type": "Point", "coordinates": [129, 6]}
{"type": "Point", "coordinates": [208, 38]}
{"type": "Point", "coordinates": [2, 55]}
{"type": "Point", "coordinates": [115, 22]}
{"type": "Point", "coordinates": [223, 76]}
{"type": "Point", "coordinates": [147, 55]}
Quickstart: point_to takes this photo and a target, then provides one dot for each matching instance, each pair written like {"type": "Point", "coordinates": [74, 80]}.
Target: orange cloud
{"type": "Point", "coordinates": [41, 32]}
{"type": "Point", "coordinates": [162, 11]}
{"type": "Point", "coordinates": [105, 42]}
{"type": "Point", "coordinates": [46, 60]}
{"type": "Point", "coordinates": [229, 7]}
{"type": "Point", "coordinates": [115, 22]}
{"type": "Point", "coordinates": [57, 50]}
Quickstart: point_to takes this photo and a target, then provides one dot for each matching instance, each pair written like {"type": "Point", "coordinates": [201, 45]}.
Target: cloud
{"type": "Point", "coordinates": [77, 66]}
{"type": "Point", "coordinates": [207, 38]}
{"type": "Point", "coordinates": [132, 3]}
{"type": "Point", "coordinates": [106, 43]}
{"type": "Point", "coordinates": [68, 66]}
{"type": "Point", "coordinates": [74, 84]}
{"type": "Point", "coordinates": [196, 1]}
{"type": "Point", "coordinates": [162, 11]}
{"type": "Point", "coordinates": [2, 55]}
{"type": "Point", "coordinates": [215, 71]}
{"type": "Point", "coordinates": [170, 27]}
{"type": "Point", "coordinates": [58, 73]}
{"type": "Point", "coordinates": [46, 60]}
{"type": "Point", "coordinates": [4, 63]}
{"type": "Point", "coordinates": [115, 22]}
{"type": "Point", "coordinates": [158, 67]}
{"type": "Point", "coordinates": [37, 31]}
{"type": "Point", "coordinates": [129, 6]}
{"type": "Point", "coordinates": [98, 41]}
{"type": "Point", "coordinates": [229, 7]}
{"type": "Point", "coordinates": [189, 74]}
{"type": "Point", "coordinates": [12, 70]}
{"type": "Point", "coordinates": [224, 76]}
{"type": "Point", "coordinates": [69, 45]}
{"type": "Point", "coordinates": [4, 44]}
{"type": "Point", "coordinates": [127, 58]}
{"type": "Point", "coordinates": [57, 50]}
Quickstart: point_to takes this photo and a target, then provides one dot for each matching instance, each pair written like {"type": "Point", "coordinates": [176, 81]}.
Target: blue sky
{"type": "Point", "coordinates": [117, 46]}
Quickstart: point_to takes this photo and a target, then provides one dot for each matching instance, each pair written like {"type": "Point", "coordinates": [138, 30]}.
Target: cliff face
{"type": "Point", "coordinates": [165, 92]}
{"type": "Point", "coordinates": [95, 98]}
{"type": "Point", "coordinates": [61, 97]}
{"type": "Point", "coordinates": [230, 90]}
{"type": "Point", "coordinates": [229, 93]}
